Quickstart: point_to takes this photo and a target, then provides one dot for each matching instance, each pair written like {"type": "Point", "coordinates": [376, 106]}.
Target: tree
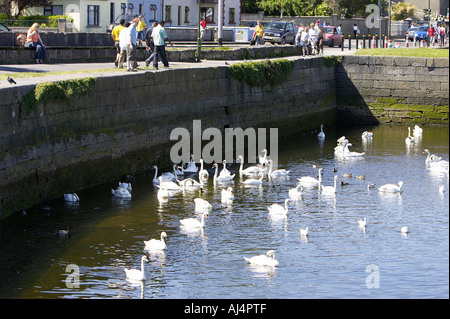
{"type": "Point", "coordinates": [404, 10]}
{"type": "Point", "coordinates": [14, 8]}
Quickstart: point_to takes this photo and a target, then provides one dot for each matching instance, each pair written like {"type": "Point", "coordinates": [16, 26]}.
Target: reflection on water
{"type": "Point", "coordinates": [108, 233]}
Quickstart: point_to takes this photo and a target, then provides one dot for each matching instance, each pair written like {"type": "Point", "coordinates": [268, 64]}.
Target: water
{"type": "Point", "coordinates": [337, 260]}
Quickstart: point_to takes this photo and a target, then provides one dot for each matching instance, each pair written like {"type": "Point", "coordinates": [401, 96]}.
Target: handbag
{"type": "Point", "coordinates": [252, 41]}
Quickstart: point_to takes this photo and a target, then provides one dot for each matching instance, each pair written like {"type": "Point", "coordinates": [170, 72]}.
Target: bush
{"type": "Point", "coordinates": [44, 21]}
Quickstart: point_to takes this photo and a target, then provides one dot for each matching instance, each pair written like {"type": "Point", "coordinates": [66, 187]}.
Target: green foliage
{"type": "Point", "coordinates": [44, 21]}
{"type": "Point", "coordinates": [56, 92]}
{"type": "Point", "coordinates": [262, 73]}
{"type": "Point", "coordinates": [332, 60]}
{"type": "Point", "coordinates": [403, 10]}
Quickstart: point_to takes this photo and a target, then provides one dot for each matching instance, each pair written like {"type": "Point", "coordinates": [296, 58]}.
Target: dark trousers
{"type": "Point", "coordinates": [40, 50]}
{"type": "Point", "coordinates": [160, 52]}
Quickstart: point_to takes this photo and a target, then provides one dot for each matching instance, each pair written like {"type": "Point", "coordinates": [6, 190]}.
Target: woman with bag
{"type": "Point", "coordinates": [258, 35]}
{"type": "Point", "coordinates": [34, 41]}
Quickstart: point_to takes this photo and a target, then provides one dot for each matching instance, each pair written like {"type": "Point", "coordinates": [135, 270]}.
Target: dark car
{"type": "Point", "coordinates": [126, 17]}
{"type": "Point", "coordinates": [332, 36]}
{"type": "Point", "coordinates": [253, 24]}
{"type": "Point", "coordinates": [4, 28]}
{"type": "Point", "coordinates": [280, 32]}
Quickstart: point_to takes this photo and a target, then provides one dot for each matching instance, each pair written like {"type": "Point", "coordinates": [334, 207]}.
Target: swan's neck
{"type": "Point", "coordinates": [241, 165]}
{"type": "Point", "coordinates": [335, 182]}
{"type": "Point", "coordinates": [156, 174]}
{"type": "Point", "coordinates": [162, 239]}
{"type": "Point", "coordinates": [270, 167]}
{"type": "Point", "coordinates": [215, 172]}
{"type": "Point", "coordinates": [142, 266]}
{"type": "Point", "coordinates": [201, 164]}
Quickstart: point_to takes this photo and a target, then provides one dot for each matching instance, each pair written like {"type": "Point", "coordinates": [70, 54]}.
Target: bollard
{"type": "Point", "coordinates": [357, 41]}
{"type": "Point", "coordinates": [415, 41]}
{"type": "Point", "coordinates": [342, 42]}
{"type": "Point", "coordinates": [349, 42]}
{"type": "Point", "coordinates": [370, 41]}
{"type": "Point", "coordinates": [383, 42]}
{"type": "Point", "coordinates": [364, 41]}
{"type": "Point", "coordinates": [374, 39]}
{"type": "Point", "coordinates": [406, 43]}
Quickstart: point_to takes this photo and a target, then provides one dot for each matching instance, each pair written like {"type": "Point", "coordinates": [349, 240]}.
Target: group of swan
{"type": "Point", "coordinates": [342, 148]}
{"type": "Point", "coordinates": [435, 163]}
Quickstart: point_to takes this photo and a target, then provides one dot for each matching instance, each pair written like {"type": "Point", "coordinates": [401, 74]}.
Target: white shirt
{"type": "Point", "coordinates": [124, 38]}
{"type": "Point", "coordinates": [313, 33]}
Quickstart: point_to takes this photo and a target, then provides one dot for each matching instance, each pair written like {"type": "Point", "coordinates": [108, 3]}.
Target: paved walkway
{"type": "Point", "coordinates": [97, 69]}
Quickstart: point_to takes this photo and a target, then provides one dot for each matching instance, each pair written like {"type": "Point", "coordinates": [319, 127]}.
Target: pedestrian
{"type": "Point", "coordinates": [441, 33]}
{"type": "Point", "coordinates": [132, 45]}
{"type": "Point", "coordinates": [34, 41]}
{"type": "Point", "coordinates": [320, 32]}
{"type": "Point", "coordinates": [355, 30]}
{"type": "Point", "coordinates": [313, 38]}
{"type": "Point", "coordinates": [430, 34]}
{"type": "Point", "coordinates": [325, 24]}
{"type": "Point", "coordinates": [202, 28]}
{"type": "Point", "coordinates": [298, 36]}
{"type": "Point", "coordinates": [159, 36]}
{"type": "Point", "coordinates": [339, 28]}
{"type": "Point", "coordinates": [123, 42]}
{"type": "Point", "coordinates": [258, 35]}
{"type": "Point", "coordinates": [140, 29]}
{"type": "Point", "coordinates": [304, 39]}
{"type": "Point", "coordinates": [115, 35]}
{"type": "Point", "coordinates": [149, 44]}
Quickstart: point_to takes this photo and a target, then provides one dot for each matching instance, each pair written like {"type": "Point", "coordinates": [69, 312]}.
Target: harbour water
{"type": "Point", "coordinates": [338, 259]}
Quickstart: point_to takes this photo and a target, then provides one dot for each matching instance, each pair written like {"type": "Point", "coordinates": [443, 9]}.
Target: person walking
{"type": "Point", "coordinates": [123, 43]}
{"type": "Point", "coordinates": [115, 35]}
{"type": "Point", "coordinates": [258, 35]}
{"type": "Point", "coordinates": [304, 39]}
{"type": "Point", "coordinates": [441, 32]}
{"type": "Point", "coordinates": [430, 34]}
{"type": "Point", "coordinates": [159, 36]}
{"type": "Point", "coordinates": [132, 45]}
{"type": "Point", "coordinates": [140, 29]}
{"type": "Point", "coordinates": [149, 44]}
{"type": "Point", "coordinates": [34, 41]}
{"type": "Point", "coordinates": [313, 38]}
{"type": "Point", "coordinates": [355, 30]}
{"type": "Point", "coordinates": [202, 28]}
{"type": "Point", "coordinates": [320, 32]}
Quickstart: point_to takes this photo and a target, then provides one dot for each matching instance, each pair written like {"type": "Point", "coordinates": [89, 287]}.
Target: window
{"type": "Point", "coordinates": [112, 12]}
{"type": "Point", "coordinates": [130, 8]}
{"type": "Point", "coordinates": [207, 14]}
{"type": "Point", "coordinates": [179, 15]}
{"type": "Point", "coordinates": [53, 10]}
{"type": "Point", "coordinates": [93, 18]}
{"type": "Point", "coordinates": [153, 9]}
{"type": "Point", "coordinates": [186, 14]}
{"type": "Point", "coordinates": [123, 8]}
{"type": "Point", "coordinates": [168, 15]}
{"type": "Point", "coordinates": [140, 8]}
{"type": "Point", "coordinates": [231, 14]}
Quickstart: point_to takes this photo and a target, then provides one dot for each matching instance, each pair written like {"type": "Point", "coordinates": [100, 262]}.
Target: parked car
{"type": "Point", "coordinates": [126, 17]}
{"type": "Point", "coordinates": [280, 32]}
{"type": "Point", "coordinates": [332, 37]}
{"type": "Point", "coordinates": [4, 28]}
{"type": "Point", "coordinates": [252, 24]}
{"type": "Point", "coordinates": [421, 32]}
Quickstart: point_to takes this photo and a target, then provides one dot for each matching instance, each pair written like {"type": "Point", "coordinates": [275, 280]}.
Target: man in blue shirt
{"type": "Point", "coordinates": [159, 36]}
{"type": "Point", "coordinates": [132, 45]}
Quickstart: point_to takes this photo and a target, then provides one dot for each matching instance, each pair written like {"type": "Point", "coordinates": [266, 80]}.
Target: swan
{"type": "Point", "coordinates": [417, 130]}
{"type": "Point", "coordinates": [362, 222]}
{"type": "Point", "coordinates": [441, 189]}
{"type": "Point", "coordinates": [329, 189]}
{"type": "Point", "coordinates": [278, 172]}
{"type": "Point", "coordinates": [276, 209]}
{"type": "Point", "coordinates": [263, 159]}
{"type": "Point", "coordinates": [342, 141]}
{"type": "Point", "coordinates": [221, 179]}
{"type": "Point", "coordinates": [155, 243]}
{"type": "Point", "coordinates": [227, 194]}
{"type": "Point", "coordinates": [194, 223]}
{"type": "Point", "coordinates": [136, 274]}
{"type": "Point", "coordinates": [166, 177]}
{"type": "Point", "coordinates": [404, 229]}
{"type": "Point", "coordinates": [435, 163]}
{"type": "Point", "coordinates": [121, 192]}
{"type": "Point", "coordinates": [263, 260]}
{"type": "Point", "coordinates": [203, 173]}
{"type": "Point", "coordinates": [163, 194]}
{"type": "Point", "coordinates": [191, 183]}
{"type": "Point", "coordinates": [71, 197]}
{"type": "Point", "coordinates": [367, 135]}
{"type": "Point", "coordinates": [168, 185]}
{"type": "Point", "coordinates": [409, 139]}
{"type": "Point", "coordinates": [191, 167]}
{"type": "Point", "coordinates": [253, 181]}
{"type": "Point", "coordinates": [251, 170]}
{"type": "Point", "coordinates": [348, 153]}
{"type": "Point", "coordinates": [311, 182]}
{"type": "Point", "coordinates": [125, 185]}
{"type": "Point", "coordinates": [179, 170]}
{"type": "Point", "coordinates": [303, 232]}
{"type": "Point", "coordinates": [225, 173]}
{"type": "Point", "coordinates": [296, 191]}
{"type": "Point", "coordinates": [202, 204]}
{"type": "Point", "coordinates": [321, 135]}
{"type": "Point", "coordinates": [391, 188]}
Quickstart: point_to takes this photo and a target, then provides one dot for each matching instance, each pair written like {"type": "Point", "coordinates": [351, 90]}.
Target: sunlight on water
{"type": "Point", "coordinates": [336, 260]}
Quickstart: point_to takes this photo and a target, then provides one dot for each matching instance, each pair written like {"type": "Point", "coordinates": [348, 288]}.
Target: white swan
{"type": "Point", "coordinates": [168, 185]}
{"type": "Point", "coordinates": [254, 181]}
{"type": "Point", "coordinates": [166, 177]}
{"type": "Point", "coordinates": [126, 185]}
{"type": "Point", "coordinates": [367, 135]}
{"type": "Point", "coordinates": [303, 232]}
{"type": "Point", "coordinates": [441, 189]}
{"type": "Point", "coordinates": [321, 135]}
{"type": "Point", "coordinates": [227, 194]}
{"type": "Point", "coordinates": [362, 222]}
{"type": "Point", "coordinates": [136, 274]}
{"type": "Point", "coordinates": [202, 204]}
{"type": "Point", "coordinates": [263, 260]}
{"type": "Point", "coordinates": [251, 170]}
{"type": "Point", "coordinates": [155, 243]}
{"type": "Point", "coordinates": [348, 153]}
{"type": "Point", "coordinates": [203, 173]}
{"type": "Point", "coordinates": [263, 159]}
{"type": "Point", "coordinates": [329, 189]}
{"type": "Point", "coordinates": [409, 139]}
{"type": "Point", "coordinates": [121, 192]}
{"type": "Point", "coordinates": [276, 209]}
{"type": "Point", "coordinates": [404, 229]}
{"type": "Point", "coordinates": [391, 188]}
{"type": "Point", "coordinates": [225, 173]}
{"type": "Point", "coordinates": [417, 130]}
{"type": "Point", "coordinates": [191, 167]}
{"type": "Point", "coordinates": [71, 197]}
{"type": "Point", "coordinates": [296, 191]}
{"type": "Point", "coordinates": [193, 223]}
{"type": "Point", "coordinates": [435, 163]}
{"type": "Point", "coordinates": [221, 179]}
{"type": "Point", "coordinates": [278, 172]}
{"type": "Point", "coordinates": [191, 183]}
{"type": "Point", "coordinates": [311, 182]}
